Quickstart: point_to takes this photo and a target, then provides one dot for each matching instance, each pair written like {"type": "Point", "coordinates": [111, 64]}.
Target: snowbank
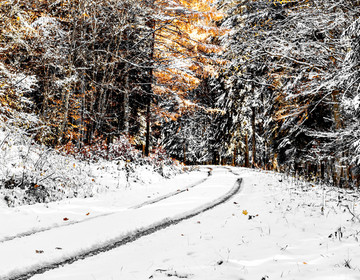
{"type": "Point", "coordinates": [32, 173]}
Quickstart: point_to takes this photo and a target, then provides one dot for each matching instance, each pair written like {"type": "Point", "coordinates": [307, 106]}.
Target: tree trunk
{"type": "Point", "coordinates": [147, 138]}
{"type": "Point", "coordinates": [126, 109]}
{"type": "Point", "coordinates": [151, 24]}
{"type": "Point", "coordinates": [253, 136]}
{"type": "Point", "coordinates": [246, 151]}
{"type": "Point", "coordinates": [63, 126]}
{"type": "Point", "coordinates": [338, 125]}
{"type": "Point", "coordinates": [234, 157]}
{"type": "Point", "coordinates": [184, 152]}
{"type": "Point", "coordinates": [296, 169]}
{"type": "Point", "coordinates": [322, 170]}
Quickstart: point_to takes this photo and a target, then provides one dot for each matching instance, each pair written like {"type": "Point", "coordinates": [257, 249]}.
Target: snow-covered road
{"type": "Point", "coordinates": [275, 228]}
{"type": "Point", "coordinates": [49, 248]}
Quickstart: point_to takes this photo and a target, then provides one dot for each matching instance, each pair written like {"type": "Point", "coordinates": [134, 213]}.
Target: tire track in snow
{"type": "Point", "coordinates": [160, 198]}
{"type": "Point", "coordinates": [152, 201]}
{"type": "Point", "coordinates": [132, 236]}
{"type": "Point", "coordinates": [232, 171]}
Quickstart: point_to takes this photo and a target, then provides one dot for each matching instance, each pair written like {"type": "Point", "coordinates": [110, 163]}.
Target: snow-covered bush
{"type": "Point", "coordinates": [33, 173]}
{"type": "Point", "coordinates": [122, 150]}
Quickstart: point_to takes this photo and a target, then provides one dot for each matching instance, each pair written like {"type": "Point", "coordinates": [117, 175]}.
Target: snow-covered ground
{"type": "Point", "coordinates": [274, 228]}
{"type": "Point", "coordinates": [27, 219]}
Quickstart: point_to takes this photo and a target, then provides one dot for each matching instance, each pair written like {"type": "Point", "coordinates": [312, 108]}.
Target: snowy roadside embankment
{"type": "Point", "coordinates": [43, 249]}
{"type": "Point", "coordinates": [31, 173]}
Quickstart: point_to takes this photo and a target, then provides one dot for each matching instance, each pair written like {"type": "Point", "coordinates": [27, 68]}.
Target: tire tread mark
{"type": "Point", "coordinates": [166, 196]}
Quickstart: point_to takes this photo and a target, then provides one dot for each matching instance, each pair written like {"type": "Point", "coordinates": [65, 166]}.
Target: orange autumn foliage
{"type": "Point", "coordinates": [184, 44]}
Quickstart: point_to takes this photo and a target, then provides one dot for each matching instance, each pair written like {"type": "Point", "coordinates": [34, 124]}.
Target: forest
{"type": "Point", "coordinates": [270, 84]}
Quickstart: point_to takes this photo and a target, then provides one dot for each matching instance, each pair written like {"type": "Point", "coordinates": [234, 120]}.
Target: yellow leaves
{"type": "Point", "coordinates": [73, 125]}
{"type": "Point", "coordinates": [173, 118]}
{"type": "Point", "coordinates": [279, 1]}
{"type": "Point", "coordinates": [184, 41]}
{"type": "Point", "coordinates": [168, 116]}
{"type": "Point", "coordinates": [250, 217]}
{"type": "Point", "coordinates": [75, 117]}
{"type": "Point", "coordinates": [176, 80]}
{"type": "Point", "coordinates": [3, 102]}
{"type": "Point", "coordinates": [216, 111]}
{"type": "Point", "coordinates": [333, 59]}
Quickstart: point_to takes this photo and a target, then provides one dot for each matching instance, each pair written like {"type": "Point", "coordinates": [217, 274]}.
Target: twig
{"type": "Point", "coordinates": [46, 177]}
{"type": "Point", "coordinates": [3, 141]}
{"type": "Point", "coordinates": [355, 217]}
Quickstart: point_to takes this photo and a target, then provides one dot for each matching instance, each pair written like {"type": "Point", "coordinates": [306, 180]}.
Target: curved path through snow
{"type": "Point", "coordinates": [152, 201]}
{"type": "Point", "coordinates": [37, 253]}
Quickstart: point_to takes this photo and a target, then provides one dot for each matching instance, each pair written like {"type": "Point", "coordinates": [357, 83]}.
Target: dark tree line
{"type": "Point", "coordinates": [290, 86]}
